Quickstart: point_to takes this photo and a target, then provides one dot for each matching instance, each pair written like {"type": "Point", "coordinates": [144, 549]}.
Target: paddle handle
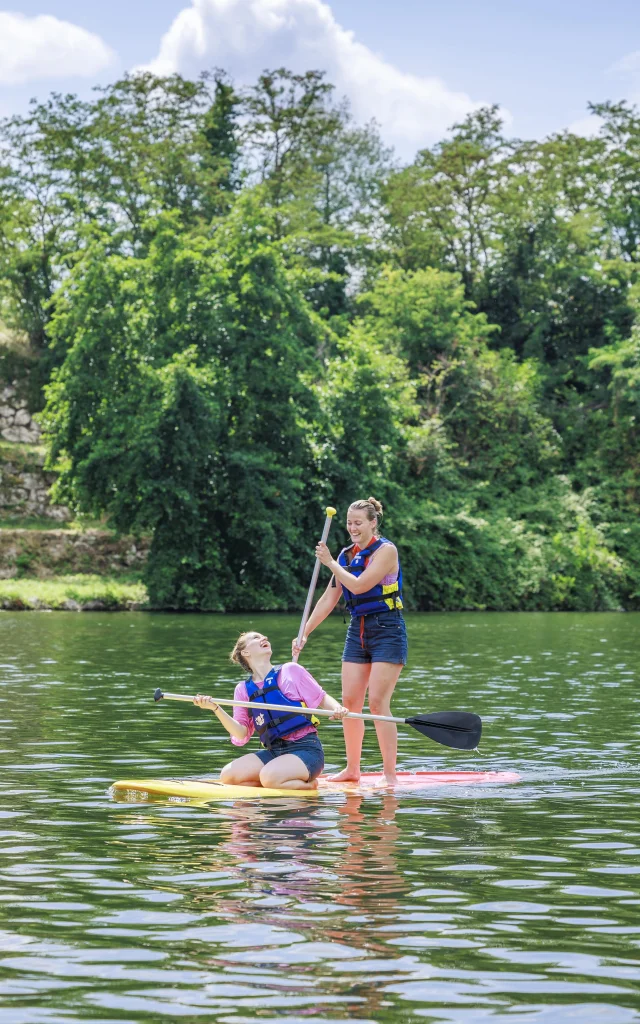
{"type": "Point", "coordinates": [278, 707]}
{"type": "Point", "coordinates": [314, 579]}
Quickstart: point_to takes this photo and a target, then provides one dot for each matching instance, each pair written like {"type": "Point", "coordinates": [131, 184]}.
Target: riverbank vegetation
{"type": "Point", "coordinates": [79, 592]}
{"type": "Point", "coordinates": [244, 308]}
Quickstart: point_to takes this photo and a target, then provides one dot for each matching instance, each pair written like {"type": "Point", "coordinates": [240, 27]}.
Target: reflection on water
{"type": "Point", "coordinates": [465, 905]}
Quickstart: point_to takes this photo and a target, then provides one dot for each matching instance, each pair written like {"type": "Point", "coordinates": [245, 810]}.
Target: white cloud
{"type": "Point", "coordinates": [628, 65]}
{"type": "Point", "coordinates": [45, 47]}
{"type": "Point", "coordinates": [588, 126]}
{"type": "Point", "coordinates": [247, 36]}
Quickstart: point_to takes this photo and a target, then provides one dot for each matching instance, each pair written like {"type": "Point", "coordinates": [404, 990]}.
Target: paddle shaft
{"type": "Point", "coordinates": [279, 707]}
{"type": "Point", "coordinates": [314, 579]}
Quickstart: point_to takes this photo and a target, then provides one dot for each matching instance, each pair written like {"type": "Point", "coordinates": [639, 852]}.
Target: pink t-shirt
{"type": "Point", "coordinates": [391, 577]}
{"type": "Point", "coordinates": [296, 684]}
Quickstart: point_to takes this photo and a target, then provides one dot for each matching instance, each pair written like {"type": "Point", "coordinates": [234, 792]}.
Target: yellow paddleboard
{"type": "Point", "coordinates": [191, 789]}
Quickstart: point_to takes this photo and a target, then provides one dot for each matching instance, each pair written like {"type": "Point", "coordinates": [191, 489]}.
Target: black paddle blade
{"type": "Point", "coordinates": [158, 695]}
{"type": "Point", "coordinates": [457, 729]}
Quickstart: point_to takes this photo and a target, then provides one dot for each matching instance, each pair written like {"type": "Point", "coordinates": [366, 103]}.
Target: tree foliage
{"type": "Point", "coordinates": [245, 309]}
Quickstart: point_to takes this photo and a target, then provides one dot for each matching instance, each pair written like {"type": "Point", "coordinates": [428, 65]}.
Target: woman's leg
{"type": "Point", "coordinates": [382, 682]}
{"type": "Point", "coordinates": [355, 679]}
{"type": "Point", "coordinates": [244, 771]}
{"type": "Point", "coordinates": [286, 772]}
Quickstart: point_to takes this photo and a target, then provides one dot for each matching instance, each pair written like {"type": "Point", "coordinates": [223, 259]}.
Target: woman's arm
{"type": "Point", "coordinates": [298, 684]}
{"type": "Point", "coordinates": [329, 703]}
{"type": "Point", "coordinates": [234, 728]}
{"type": "Point", "coordinates": [324, 607]}
{"type": "Point", "coordinates": [384, 563]}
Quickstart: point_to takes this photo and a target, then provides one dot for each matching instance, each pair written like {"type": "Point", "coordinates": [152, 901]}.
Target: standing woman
{"type": "Point", "coordinates": [370, 578]}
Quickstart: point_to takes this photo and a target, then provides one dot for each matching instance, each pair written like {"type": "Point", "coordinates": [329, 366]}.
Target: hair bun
{"type": "Point", "coordinates": [377, 506]}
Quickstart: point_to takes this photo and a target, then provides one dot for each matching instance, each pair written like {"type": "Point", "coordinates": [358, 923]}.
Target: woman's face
{"type": "Point", "coordinates": [256, 645]}
{"type": "Point", "coordinates": [360, 528]}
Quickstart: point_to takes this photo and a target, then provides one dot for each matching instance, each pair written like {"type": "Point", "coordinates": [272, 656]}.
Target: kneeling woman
{"type": "Point", "coordinates": [292, 757]}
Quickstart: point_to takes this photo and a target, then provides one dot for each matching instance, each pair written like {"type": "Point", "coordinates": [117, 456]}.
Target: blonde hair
{"type": "Point", "coordinates": [372, 507]}
{"type": "Point", "coordinates": [236, 655]}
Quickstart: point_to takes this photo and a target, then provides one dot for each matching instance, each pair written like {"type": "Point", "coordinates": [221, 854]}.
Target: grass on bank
{"type": "Point", "coordinates": [21, 453]}
{"type": "Point", "coordinates": [47, 523]}
{"type": "Point", "coordinates": [33, 523]}
{"type": "Point", "coordinates": [65, 592]}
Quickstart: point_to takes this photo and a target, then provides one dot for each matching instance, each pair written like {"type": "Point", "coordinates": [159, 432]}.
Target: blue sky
{"type": "Point", "coordinates": [416, 65]}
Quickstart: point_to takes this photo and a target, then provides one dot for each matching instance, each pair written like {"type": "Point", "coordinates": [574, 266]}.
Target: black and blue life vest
{"type": "Point", "coordinates": [271, 725]}
{"type": "Point", "coordinates": [381, 598]}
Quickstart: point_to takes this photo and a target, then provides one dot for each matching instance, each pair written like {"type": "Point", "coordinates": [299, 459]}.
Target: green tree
{"type": "Point", "coordinates": [445, 209]}
{"type": "Point", "coordinates": [221, 159]}
{"type": "Point", "coordinates": [620, 150]}
{"type": "Point", "coordinates": [322, 174]}
{"type": "Point", "coordinates": [287, 118]}
{"type": "Point", "coordinates": [109, 166]}
{"type": "Point", "coordinates": [180, 408]}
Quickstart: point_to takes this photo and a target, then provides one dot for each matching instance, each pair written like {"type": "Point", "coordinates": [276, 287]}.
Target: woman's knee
{"type": "Point", "coordinates": [228, 775]}
{"type": "Point", "coordinates": [379, 705]}
{"type": "Point", "coordinates": [234, 775]}
{"type": "Point", "coordinates": [355, 679]}
{"type": "Point", "coordinates": [353, 701]}
{"type": "Point", "coordinates": [267, 775]}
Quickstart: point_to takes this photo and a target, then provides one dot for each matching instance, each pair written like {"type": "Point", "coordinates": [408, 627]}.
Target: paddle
{"type": "Point", "coordinates": [458, 729]}
{"type": "Point", "coordinates": [314, 579]}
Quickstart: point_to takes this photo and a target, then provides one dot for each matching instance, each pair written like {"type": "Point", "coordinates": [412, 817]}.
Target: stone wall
{"type": "Point", "coordinates": [25, 494]}
{"type": "Point", "coordinates": [48, 553]}
{"type": "Point", "coordinates": [16, 423]}
{"type": "Point", "coordinates": [24, 485]}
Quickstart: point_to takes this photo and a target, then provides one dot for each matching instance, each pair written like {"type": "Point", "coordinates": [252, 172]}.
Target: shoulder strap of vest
{"type": "Point", "coordinates": [368, 551]}
{"type": "Point", "coordinates": [344, 553]}
{"type": "Point", "coordinates": [269, 682]}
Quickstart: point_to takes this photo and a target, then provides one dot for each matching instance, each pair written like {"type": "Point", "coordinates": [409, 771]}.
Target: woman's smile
{"type": "Point", "coordinates": [355, 528]}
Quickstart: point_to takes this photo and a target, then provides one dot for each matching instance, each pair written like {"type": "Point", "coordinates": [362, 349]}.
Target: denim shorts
{"type": "Point", "coordinates": [381, 636]}
{"type": "Point", "coordinates": [308, 749]}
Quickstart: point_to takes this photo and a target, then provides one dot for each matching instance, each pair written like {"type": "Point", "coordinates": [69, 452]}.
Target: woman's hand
{"type": "Point", "coordinates": [205, 702]}
{"type": "Point", "coordinates": [323, 554]}
{"type": "Point", "coordinates": [297, 647]}
{"type": "Point", "coordinates": [339, 714]}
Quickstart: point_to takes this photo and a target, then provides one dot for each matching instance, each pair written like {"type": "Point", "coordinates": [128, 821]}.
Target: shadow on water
{"type": "Point", "coordinates": [464, 905]}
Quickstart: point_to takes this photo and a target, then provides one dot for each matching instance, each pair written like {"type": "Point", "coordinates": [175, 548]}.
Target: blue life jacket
{"type": "Point", "coordinates": [381, 598]}
{"type": "Point", "coordinates": [271, 725]}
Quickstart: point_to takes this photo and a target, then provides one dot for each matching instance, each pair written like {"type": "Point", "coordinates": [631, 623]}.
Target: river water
{"type": "Point", "coordinates": [494, 904]}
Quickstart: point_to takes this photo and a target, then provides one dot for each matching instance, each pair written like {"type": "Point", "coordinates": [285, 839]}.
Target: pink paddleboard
{"type": "Point", "coordinates": [418, 780]}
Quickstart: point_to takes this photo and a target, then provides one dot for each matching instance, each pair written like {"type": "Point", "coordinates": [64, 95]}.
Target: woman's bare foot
{"type": "Point", "coordinates": [346, 775]}
{"type": "Point", "coordinates": [386, 780]}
